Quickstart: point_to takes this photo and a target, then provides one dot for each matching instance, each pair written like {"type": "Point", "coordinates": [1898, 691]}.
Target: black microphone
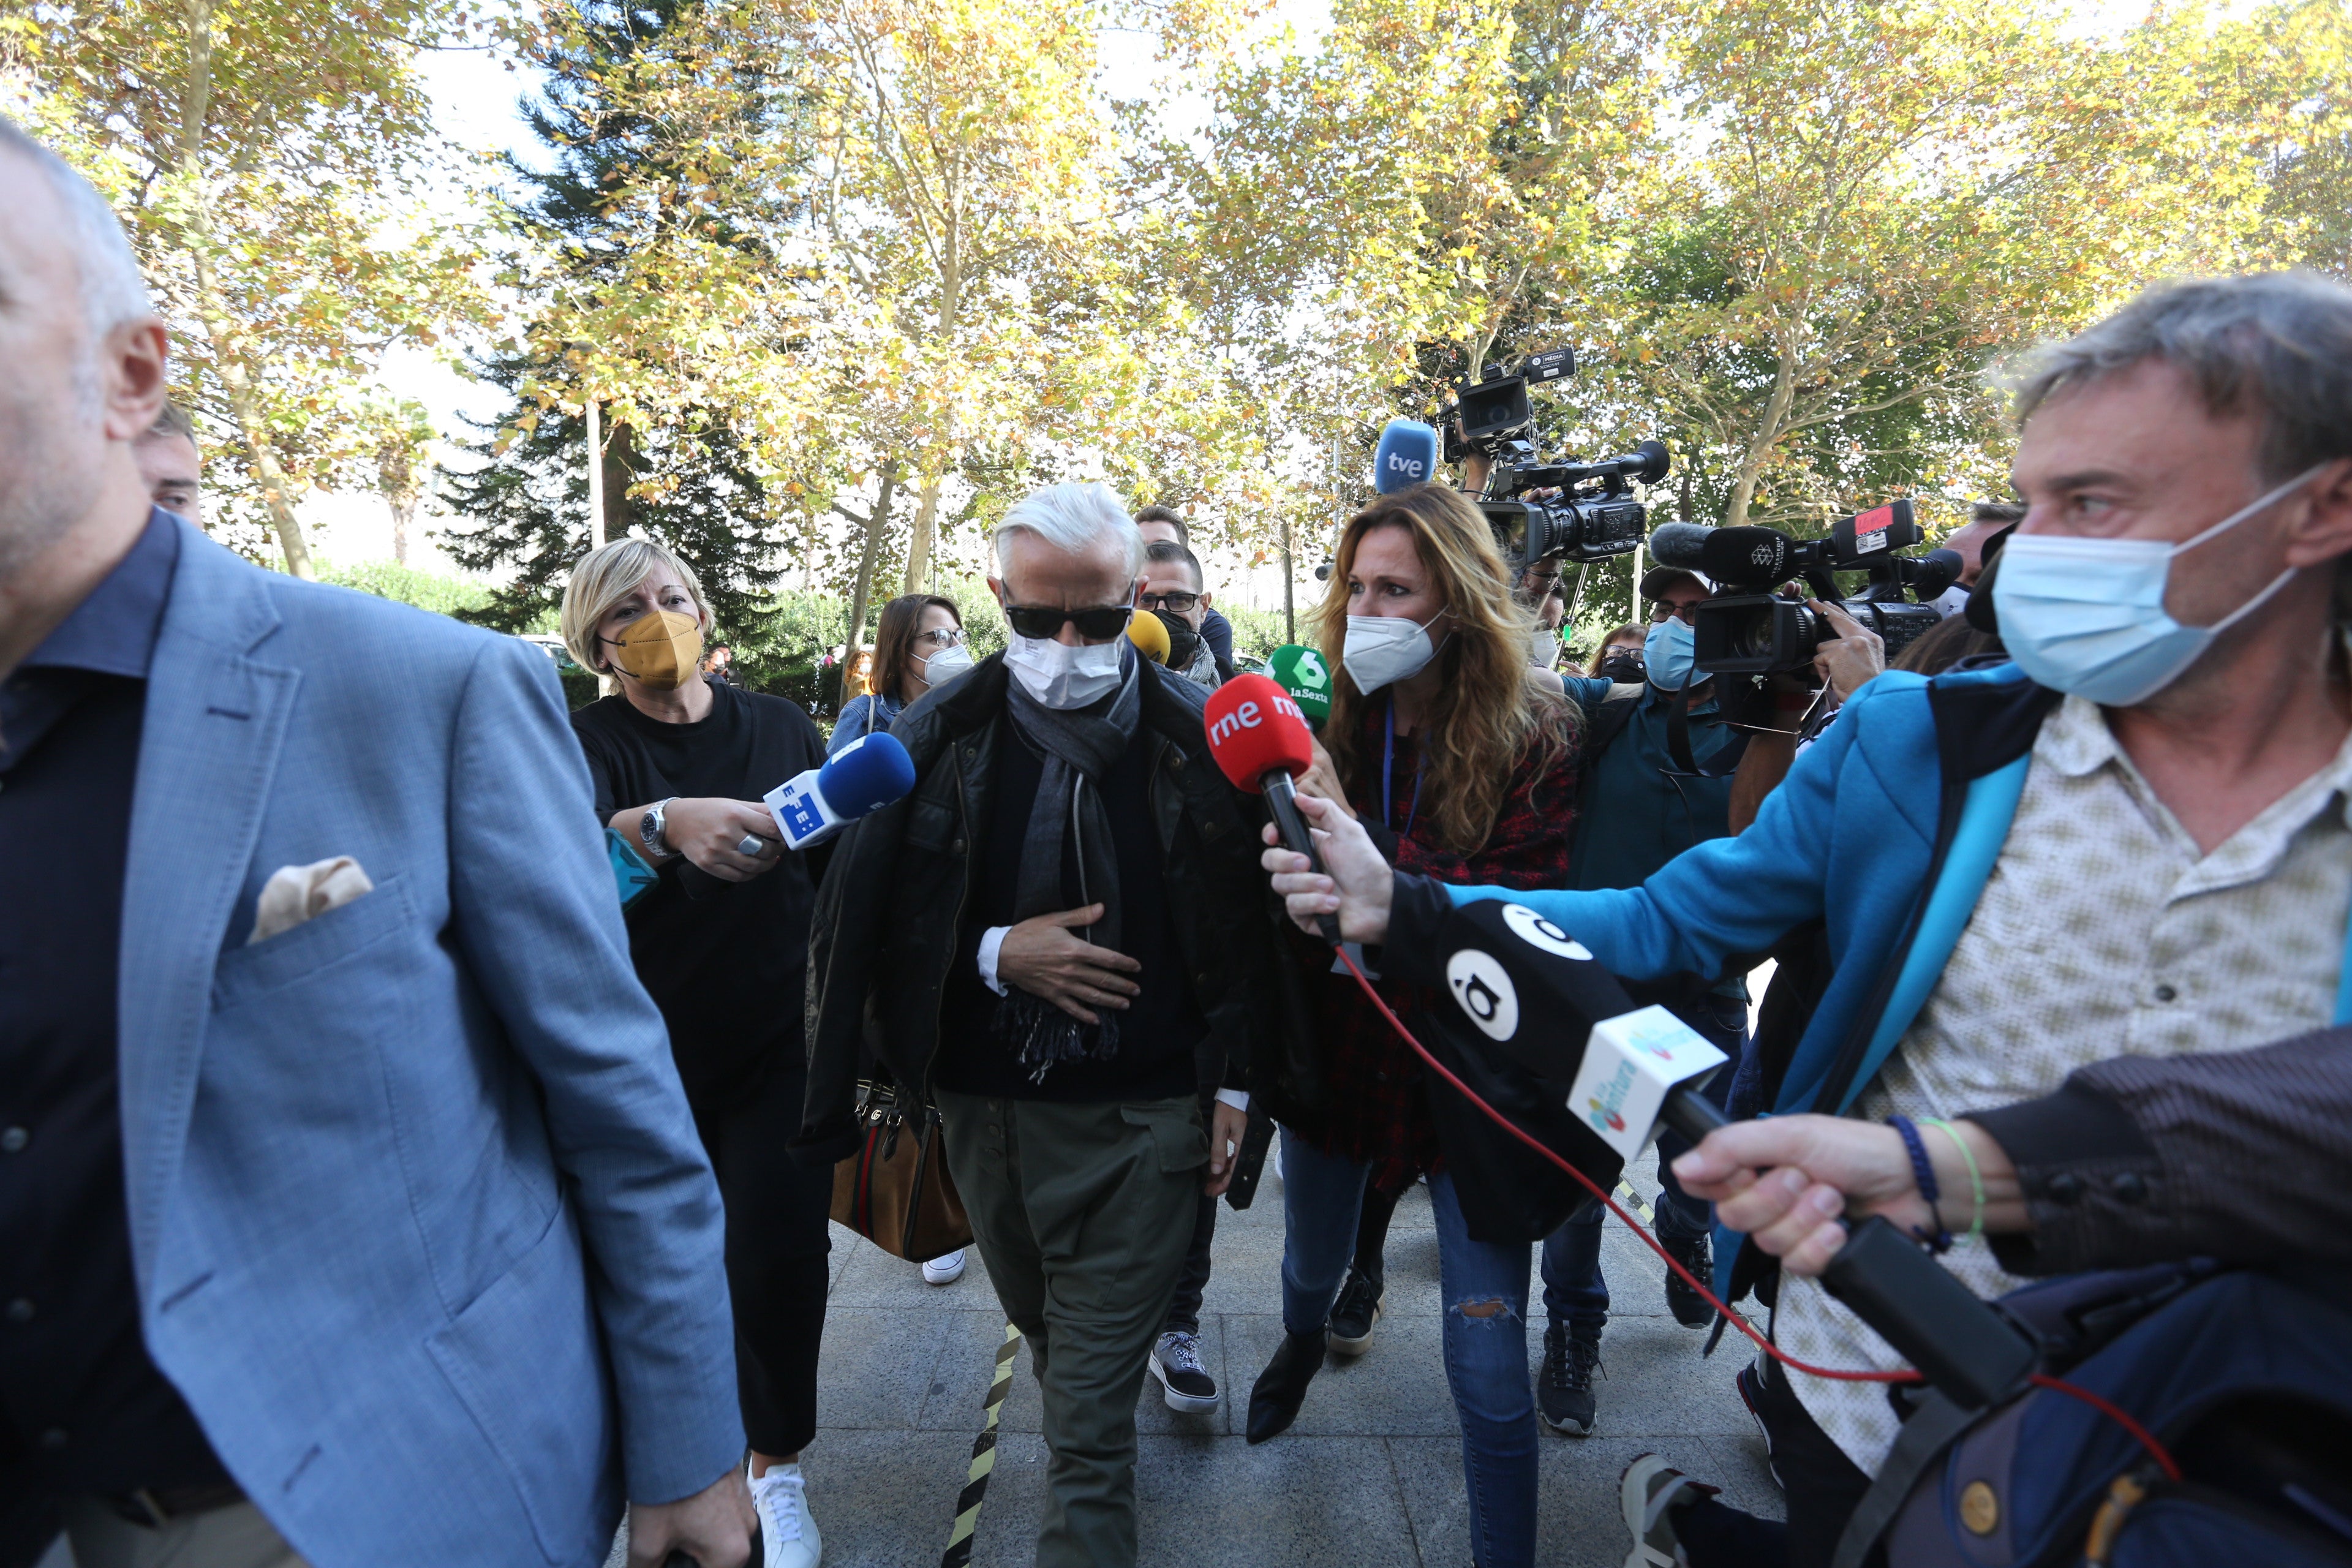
{"type": "Point", "coordinates": [1526, 989]}
{"type": "Point", "coordinates": [1682, 544]}
{"type": "Point", "coordinates": [1747, 554]}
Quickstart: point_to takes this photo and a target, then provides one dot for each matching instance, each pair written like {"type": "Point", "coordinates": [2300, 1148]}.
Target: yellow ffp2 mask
{"type": "Point", "coordinates": [660, 648]}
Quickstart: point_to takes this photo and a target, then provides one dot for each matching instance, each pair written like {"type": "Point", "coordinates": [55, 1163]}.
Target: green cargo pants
{"type": "Point", "coordinates": [1083, 1213]}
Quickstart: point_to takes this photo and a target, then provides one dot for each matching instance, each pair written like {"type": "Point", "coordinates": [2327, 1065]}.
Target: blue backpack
{"type": "Point", "coordinates": [2245, 1377]}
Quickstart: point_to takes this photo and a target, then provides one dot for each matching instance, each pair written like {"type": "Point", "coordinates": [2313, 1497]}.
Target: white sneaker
{"type": "Point", "coordinates": [787, 1531]}
{"type": "Point", "coordinates": [1184, 1382]}
{"type": "Point", "coordinates": [944, 1271]}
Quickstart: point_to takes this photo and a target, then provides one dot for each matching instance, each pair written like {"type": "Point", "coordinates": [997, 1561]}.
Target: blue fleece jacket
{"type": "Point", "coordinates": [1861, 825]}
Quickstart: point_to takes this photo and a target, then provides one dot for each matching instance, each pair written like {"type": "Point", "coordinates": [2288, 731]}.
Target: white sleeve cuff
{"type": "Point", "coordinates": [991, 942]}
{"type": "Point", "coordinates": [1236, 1098]}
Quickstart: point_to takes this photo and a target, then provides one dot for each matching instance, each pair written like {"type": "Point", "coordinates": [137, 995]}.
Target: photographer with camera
{"type": "Point", "coordinates": [2134, 838]}
{"type": "Point", "coordinates": [1658, 777]}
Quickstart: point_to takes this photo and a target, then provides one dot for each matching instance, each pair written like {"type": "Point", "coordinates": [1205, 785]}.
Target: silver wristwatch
{"type": "Point", "coordinates": [651, 825]}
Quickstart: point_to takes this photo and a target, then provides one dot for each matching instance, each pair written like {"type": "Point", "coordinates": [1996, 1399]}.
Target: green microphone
{"type": "Point", "coordinates": [1302, 672]}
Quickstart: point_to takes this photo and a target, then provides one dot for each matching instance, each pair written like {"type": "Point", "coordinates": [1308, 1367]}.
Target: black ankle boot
{"type": "Point", "coordinates": [1281, 1388]}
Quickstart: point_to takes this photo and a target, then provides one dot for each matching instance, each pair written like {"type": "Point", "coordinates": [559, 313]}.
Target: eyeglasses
{"type": "Point", "coordinates": [941, 636]}
{"type": "Point", "coordinates": [1175, 604]}
{"type": "Point", "coordinates": [1661, 609]}
{"type": "Point", "coordinates": [1098, 623]}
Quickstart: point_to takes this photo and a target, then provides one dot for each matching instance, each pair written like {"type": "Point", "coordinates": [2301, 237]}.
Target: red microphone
{"type": "Point", "coordinates": [1261, 742]}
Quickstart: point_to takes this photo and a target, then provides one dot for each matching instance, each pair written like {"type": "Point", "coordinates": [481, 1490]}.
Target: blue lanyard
{"type": "Point", "coordinates": [1388, 778]}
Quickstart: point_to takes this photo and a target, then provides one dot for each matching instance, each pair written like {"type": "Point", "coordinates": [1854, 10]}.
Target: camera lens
{"type": "Point", "coordinates": [1751, 633]}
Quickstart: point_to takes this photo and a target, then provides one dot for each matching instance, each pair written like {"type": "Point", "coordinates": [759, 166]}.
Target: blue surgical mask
{"type": "Point", "coordinates": [1669, 654]}
{"type": "Point", "coordinates": [2086, 617]}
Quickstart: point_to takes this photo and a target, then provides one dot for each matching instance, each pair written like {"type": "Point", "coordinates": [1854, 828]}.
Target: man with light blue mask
{"type": "Point", "coordinates": [2133, 839]}
{"type": "Point", "coordinates": [1658, 761]}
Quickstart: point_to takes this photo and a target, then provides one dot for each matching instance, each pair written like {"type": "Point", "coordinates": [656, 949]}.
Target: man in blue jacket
{"type": "Point", "coordinates": [2134, 838]}
{"type": "Point", "coordinates": [349, 1208]}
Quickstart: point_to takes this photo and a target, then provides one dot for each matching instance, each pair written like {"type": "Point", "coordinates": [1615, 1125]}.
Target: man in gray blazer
{"type": "Point", "coordinates": [349, 1210]}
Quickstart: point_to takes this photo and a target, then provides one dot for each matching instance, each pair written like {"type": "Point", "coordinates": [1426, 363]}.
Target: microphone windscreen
{"type": "Point", "coordinates": [865, 775]}
{"type": "Point", "coordinates": [1746, 555]}
{"type": "Point", "coordinates": [1302, 671]}
{"type": "Point", "coordinates": [1255, 729]}
{"type": "Point", "coordinates": [1531, 992]}
{"type": "Point", "coordinates": [1407, 455]}
{"type": "Point", "coordinates": [1149, 638]}
{"type": "Point", "coordinates": [1682, 544]}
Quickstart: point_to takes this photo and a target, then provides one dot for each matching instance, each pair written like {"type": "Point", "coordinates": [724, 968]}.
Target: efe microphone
{"type": "Point", "coordinates": [863, 776]}
{"type": "Point", "coordinates": [1261, 743]}
{"type": "Point", "coordinates": [1527, 986]}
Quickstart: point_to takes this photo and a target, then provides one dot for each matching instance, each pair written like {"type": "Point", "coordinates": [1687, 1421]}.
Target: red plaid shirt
{"type": "Point", "coordinates": [1379, 1107]}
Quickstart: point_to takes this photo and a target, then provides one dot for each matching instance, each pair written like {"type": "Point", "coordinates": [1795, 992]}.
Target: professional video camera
{"type": "Point", "coordinates": [1581, 512]}
{"type": "Point", "coordinates": [1756, 632]}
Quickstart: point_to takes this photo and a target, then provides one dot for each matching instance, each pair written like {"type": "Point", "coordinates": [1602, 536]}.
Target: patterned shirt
{"type": "Point", "coordinates": [2102, 931]}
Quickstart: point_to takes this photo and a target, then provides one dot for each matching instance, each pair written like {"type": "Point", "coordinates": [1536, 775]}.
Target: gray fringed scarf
{"type": "Point", "coordinates": [1079, 746]}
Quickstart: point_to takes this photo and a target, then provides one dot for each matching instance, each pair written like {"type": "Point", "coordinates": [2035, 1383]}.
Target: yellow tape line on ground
{"type": "Point", "coordinates": [983, 1457]}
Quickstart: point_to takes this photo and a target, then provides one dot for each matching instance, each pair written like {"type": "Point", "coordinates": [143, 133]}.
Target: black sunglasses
{"type": "Point", "coordinates": [1181, 604]}
{"type": "Point", "coordinates": [1039, 622]}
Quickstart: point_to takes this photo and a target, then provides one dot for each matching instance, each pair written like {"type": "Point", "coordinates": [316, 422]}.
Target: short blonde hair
{"type": "Point", "coordinates": [604, 578]}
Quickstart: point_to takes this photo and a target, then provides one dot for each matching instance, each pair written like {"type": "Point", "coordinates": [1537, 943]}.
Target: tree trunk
{"type": "Point", "coordinates": [876, 524]}
{"type": "Point", "coordinates": [1289, 612]}
{"type": "Point", "coordinates": [229, 349]}
{"type": "Point", "coordinates": [595, 475]}
{"type": "Point", "coordinates": [1760, 444]}
{"type": "Point", "coordinates": [402, 511]}
{"type": "Point", "coordinates": [919, 548]}
{"type": "Point", "coordinates": [245, 402]}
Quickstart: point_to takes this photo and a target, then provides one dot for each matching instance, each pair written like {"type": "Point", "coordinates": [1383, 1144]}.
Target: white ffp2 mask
{"type": "Point", "coordinates": [1380, 650]}
{"type": "Point", "coordinates": [1059, 675]}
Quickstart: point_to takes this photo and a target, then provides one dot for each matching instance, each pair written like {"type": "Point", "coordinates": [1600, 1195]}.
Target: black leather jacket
{"type": "Point", "coordinates": [893, 899]}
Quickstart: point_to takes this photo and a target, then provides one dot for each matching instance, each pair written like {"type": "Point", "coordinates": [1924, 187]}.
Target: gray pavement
{"type": "Point", "coordinates": [1370, 1475]}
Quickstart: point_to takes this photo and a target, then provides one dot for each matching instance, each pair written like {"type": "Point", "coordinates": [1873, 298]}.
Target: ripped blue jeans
{"type": "Point", "coordinates": [1485, 1288]}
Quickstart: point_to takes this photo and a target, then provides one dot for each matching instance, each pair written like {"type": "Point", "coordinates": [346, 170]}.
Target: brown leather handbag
{"type": "Point", "coordinates": [895, 1191]}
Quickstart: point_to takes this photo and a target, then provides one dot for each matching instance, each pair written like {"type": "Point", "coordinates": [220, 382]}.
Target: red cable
{"type": "Point", "coordinates": [2140, 1434]}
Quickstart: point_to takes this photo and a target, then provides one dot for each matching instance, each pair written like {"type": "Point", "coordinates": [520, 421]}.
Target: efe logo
{"type": "Point", "coordinates": [1483, 992]}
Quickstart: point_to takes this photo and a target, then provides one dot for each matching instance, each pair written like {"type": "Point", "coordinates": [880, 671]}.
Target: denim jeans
{"type": "Point", "coordinates": [1573, 1291]}
{"type": "Point", "coordinates": [1485, 1288]}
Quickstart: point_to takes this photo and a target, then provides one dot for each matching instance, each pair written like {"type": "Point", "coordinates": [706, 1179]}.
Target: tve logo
{"type": "Point", "coordinates": [1410, 468]}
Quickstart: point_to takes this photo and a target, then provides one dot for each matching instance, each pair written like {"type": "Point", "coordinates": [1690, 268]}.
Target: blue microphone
{"type": "Point", "coordinates": [863, 776]}
{"type": "Point", "coordinates": [1407, 455]}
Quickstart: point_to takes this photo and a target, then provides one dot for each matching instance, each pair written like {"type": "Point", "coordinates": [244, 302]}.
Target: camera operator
{"type": "Point", "coordinates": [2132, 837]}
{"type": "Point", "coordinates": [1658, 758]}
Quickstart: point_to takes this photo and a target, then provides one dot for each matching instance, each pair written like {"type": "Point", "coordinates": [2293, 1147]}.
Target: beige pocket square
{"type": "Point", "coordinates": [297, 893]}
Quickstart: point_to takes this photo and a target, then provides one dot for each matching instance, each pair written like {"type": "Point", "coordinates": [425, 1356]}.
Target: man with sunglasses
{"type": "Point", "coordinates": [1657, 780]}
{"type": "Point", "coordinates": [1061, 936]}
{"type": "Point", "coordinates": [1164, 525]}
{"type": "Point", "coordinates": [1174, 590]}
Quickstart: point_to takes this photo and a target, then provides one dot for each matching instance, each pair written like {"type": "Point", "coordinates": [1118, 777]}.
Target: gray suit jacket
{"type": "Point", "coordinates": [422, 1227]}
